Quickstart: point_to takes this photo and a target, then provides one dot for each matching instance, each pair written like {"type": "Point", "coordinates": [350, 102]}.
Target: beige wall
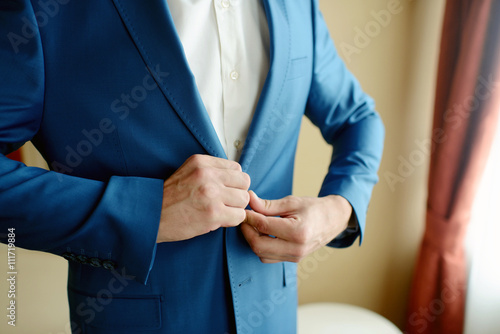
{"type": "Point", "coordinates": [397, 67]}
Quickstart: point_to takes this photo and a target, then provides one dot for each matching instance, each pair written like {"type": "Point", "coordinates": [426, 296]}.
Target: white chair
{"type": "Point", "coordinates": [332, 318]}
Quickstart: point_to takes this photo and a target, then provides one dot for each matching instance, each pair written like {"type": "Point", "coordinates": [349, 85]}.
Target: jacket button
{"type": "Point", "coordinates": [95, 262]}
{"type": "Point", "coordinates": [82, 259]}
{"type": "Point", "coordinates": [109, 265]}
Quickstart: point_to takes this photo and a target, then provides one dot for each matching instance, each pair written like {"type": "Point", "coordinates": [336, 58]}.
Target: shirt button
{"type": "Point", "coordinates": [237, 143]}
{"type": "Point", "coordinates": [234, 75]}
{"type": "Point", "coordinates": [225, 3]}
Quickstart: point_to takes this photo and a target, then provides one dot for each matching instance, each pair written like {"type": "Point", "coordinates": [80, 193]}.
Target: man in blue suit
{"type": "Point", "coordinates": [161, 121]}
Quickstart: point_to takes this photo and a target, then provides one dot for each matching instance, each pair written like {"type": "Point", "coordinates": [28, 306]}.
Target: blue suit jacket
{"type": "Point", "coordinates": [103, 90]}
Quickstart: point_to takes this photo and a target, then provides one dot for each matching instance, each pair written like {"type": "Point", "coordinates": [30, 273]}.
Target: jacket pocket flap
{"type": "Point", "coordinates": [109, 312]}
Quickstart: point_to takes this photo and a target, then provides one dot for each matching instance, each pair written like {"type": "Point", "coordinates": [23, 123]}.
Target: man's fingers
{"type": "Point", "coordinates": [283, 228]}
{"type": "Point", "coordinates": [269, 249]}
{"type": "Point", "coordinates": [232, 217]}
{"type": "Point", "coordinates": [277, 207]}
{"type": "Point", "coordinates": [205, 169]}
{"type": "Point", "coordinates": [202, 195]}
{"type": "Point", "coordinates": [265, 260]}
{"type": "Point", "coordinates": [234, 179]}
{"type": "Point", "coordinates": [201, 160]}
{"type": "Point", "coordinates": [235, 198]}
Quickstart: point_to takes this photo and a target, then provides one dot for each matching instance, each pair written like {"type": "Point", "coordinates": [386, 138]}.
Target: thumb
{"type": "Point", "coordinates": [268, 207]}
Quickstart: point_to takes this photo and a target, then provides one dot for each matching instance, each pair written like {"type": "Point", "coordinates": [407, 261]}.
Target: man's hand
{"type": "Point", "coordinates": [205, 193]}
{"type": "Point", "coordinates": [304, 225]}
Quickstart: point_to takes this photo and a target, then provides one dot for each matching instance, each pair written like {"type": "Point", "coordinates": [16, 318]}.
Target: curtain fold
{"type": "Point", "coordinates": [465, 112]}
{"type": "Point", "coordinates": [16, 155]}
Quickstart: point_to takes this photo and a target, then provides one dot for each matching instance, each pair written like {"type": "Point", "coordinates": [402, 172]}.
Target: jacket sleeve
{"type": "Point", "coordinates": [348, 121]}
{"type": "Point", "coordinates": [113, 223]}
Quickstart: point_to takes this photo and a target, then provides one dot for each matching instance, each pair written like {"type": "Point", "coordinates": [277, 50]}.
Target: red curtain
{"type": "Point", "coordinates": [15, 155]}
{"type": "Point", "coordinates": [465, 113]}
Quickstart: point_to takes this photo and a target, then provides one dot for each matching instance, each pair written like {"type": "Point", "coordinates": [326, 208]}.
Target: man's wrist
{"type": "Point", "coordinates": [344, 210]}
{"type": "Point", "coordinates": [352, 225]}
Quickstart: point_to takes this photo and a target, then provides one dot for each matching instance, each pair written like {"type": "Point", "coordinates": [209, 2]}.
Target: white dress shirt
{"type": "Point", "coordinates": [226, 43]}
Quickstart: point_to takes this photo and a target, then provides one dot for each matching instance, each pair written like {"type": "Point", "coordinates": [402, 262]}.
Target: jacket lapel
{"type": "Point", "coordinates": [267, 110]}
{"type": "Point", "coordinates": [154, 34]}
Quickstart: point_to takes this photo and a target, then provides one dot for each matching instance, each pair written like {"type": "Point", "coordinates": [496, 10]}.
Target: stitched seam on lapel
{"type": "Point", "coordinates": [281, 88]}
{"type": "Point", "coordinates": [231, 282]}
{"type": "Point", "coordinates": [160, 83]}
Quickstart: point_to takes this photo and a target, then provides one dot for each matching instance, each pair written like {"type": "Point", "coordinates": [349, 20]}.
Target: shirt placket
{"type": "Point", "coordinates": [231, 72]}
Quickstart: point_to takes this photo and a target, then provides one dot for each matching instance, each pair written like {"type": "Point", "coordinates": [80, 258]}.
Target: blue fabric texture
{"type": "Point", "coordinates": [103, 90]}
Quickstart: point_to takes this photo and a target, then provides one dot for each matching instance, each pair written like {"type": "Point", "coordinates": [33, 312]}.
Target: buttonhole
{"type": "Point", "coordinates": [248, 280]}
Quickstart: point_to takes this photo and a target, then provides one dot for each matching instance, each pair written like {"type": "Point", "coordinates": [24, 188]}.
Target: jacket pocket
{"type": "Point", "coordinates": [121, 314]}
